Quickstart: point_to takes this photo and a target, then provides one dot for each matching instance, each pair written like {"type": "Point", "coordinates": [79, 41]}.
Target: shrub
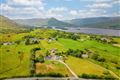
{"type": "Point", "coordinates": [50, 75]}
{"type": "Point", "coordinates": [98, 58]}
{"type": "Point", "coordinates": [7, 50]}
{"type": "Point", "coordinates": [117, 67]}
{"type": "Point", "coordinates": [17, 42]}
{"type": "Point", "coordinates": [27, 42]}
{"type": "Point", "coordinates": [101, 59]}
{"type": "Point", "coordinates": [35, 49]}
{"type": "Point", "coordinates": [47, 53]}
{"type": "Point", "coordinates": [108, 76]}
{"type": "Point", "coordinates": [40, 59]}
{"type": "Point", "coordinates": [95, 56]}
{"type": "Point", "coordinates": [55, 75]}
{"type": "Point", "coordinates": [114, 61]}
{"type": "Point", "coordinates": [90, 76]}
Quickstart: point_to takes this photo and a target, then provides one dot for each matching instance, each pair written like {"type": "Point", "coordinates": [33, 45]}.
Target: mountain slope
{"type": "Point", "coordinates": [8, 26]}
{"type": "Point", "coordinates": [98, 22]}
{"type": "Point", "coordinates": [50, 22]}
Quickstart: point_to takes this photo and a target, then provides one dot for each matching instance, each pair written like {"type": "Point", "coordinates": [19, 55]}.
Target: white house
{"type": "Point", "coordinates": [84, 55]}
{"type": "Point", "coordinates": [7, 43]}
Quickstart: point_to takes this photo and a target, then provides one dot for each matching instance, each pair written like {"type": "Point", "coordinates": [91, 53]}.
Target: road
{"type": "Point", "coordinates": [69, 69]}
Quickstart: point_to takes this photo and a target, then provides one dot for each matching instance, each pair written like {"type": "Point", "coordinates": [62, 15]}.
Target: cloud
{"type": "Point", "coordinates": [57, 10]}
{"type": "Point", "coordinates": [5, 7]}
{"type": "Point", "coordinates": [86, 13]}
{"type": "Point", "coordinates": [73, 12]}
{"type": "Point", "coordinates": [37, 9]}
{"type": "Point", "coordinates": [26, 2]}
{"type": "Point", "coordinates": [100, 5]}
{"type": "Point", "coordinates": [22, 8]}
{"type": "Point", "coordinates": [116, 2]}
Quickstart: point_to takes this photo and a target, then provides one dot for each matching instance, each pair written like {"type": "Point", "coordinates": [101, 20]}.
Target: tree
{"type": "Point", "coordinates": [27, 42]}
{"type": "Point", "coordinates": [40, 59]}
{"type": "Point", "coordinates": [17, 42]}
{"type": "Point", "coordinates": [21, 56]}
{"type": "Point", "coordinates": [47, 53]}
{"type": "Point", "coordinates": [95, 56]}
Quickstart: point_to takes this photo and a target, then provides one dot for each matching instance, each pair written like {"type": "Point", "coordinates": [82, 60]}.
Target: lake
{"type": "Point", "coordinates": [108, 32]}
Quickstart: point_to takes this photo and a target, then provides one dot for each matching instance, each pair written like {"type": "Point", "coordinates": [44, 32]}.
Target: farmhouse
{"type": "Point", "coordinates": [51, 39]}
{"type": "Point", "coordinates": [84, 55]}
{"type": "Point", "coordinates": [53, 50]}
{"type": "Point", "coordinates": [7, 43]}
{"type": "Point", "coordinates": [34, 39]}
{"type": "Point", "coordinates": [105, 39]}
{"type": "Point", "coordinates": [48, 57]}
{"type": "Point", "coordinates": [81, 39]}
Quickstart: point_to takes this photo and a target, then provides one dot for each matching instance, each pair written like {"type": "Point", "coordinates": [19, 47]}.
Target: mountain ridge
{"type": "Point", "coordinates": [97, 22]}
{"type": "Point", "coordinates": [9, 26]}
{"type": "Point", "coordinates": [49, 22]}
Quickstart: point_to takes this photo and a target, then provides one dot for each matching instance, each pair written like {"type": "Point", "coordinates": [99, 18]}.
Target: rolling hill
{"type": "Point", "coordinates": [49, 22]}
{"type": "Point", "coordinates": [97, 22]}
{"type": "Point", "coordinates": [7, 26]}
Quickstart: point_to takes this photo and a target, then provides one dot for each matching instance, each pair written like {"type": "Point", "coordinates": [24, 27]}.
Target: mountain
{"type": "Point", "coordinates": [7, 26]}
{"type": "Point", "coordinates": [49, 22]}
{"type": "Point", "coordinates": [97, 22]}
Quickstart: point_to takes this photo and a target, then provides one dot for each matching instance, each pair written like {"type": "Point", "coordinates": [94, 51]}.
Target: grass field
{"type": "Point", "coordinates": [107, 51]}
{"type": "Point", "coordinates": [54, 44]}
{"type": "Point", "coordinates": [89, 44]}
{"type": "Point", "coordinates": [80, 66]}
{"type": "Point", "coordinates": [10, 62]}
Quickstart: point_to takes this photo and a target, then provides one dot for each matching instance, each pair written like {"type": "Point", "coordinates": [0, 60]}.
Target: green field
{"type": "Point", "coordinates": [80, 66]}
{"type": "Point", "coordinates": [10, 65]}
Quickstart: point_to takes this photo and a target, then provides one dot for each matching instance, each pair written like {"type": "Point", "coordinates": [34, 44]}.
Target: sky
{"type": "Point", "coordinates": [60, 9]}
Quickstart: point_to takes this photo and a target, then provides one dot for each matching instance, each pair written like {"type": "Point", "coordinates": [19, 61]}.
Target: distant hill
{"type": "Point", "coordinates": [97, 22]}
{"type": "Point", "coordinates": [49, 22]}
{"type": "Point", "coordinates": [7, 26]}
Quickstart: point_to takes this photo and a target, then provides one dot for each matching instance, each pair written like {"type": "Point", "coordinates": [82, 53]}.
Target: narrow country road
{"type": "Point", "coordinates": [69, 69]}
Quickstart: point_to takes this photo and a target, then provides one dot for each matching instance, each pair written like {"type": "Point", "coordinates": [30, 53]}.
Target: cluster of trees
{"type": "Point", "coordinates": [97, 57]}
{"type": "Point", "coordinates": [54, 34]}
{"type": "Point", "coordinates": [116, 62]}
{"type": "Point", "coordinates": [77, 53]}
{"type": "Point", "coordinates": [69, 36]}
{"type": "Point", "coordinates": [89, 76]}
{"type": "Point", "coordinates": [47, 53]}
{"type": "Point", "coordinates": [106, 76]}
{"type": "Point", "coordinates": [28, 36]}
{"type": "Point", "coordinates": [102, 39]}
{"type": "Point", "coordinates": [28, 41]}
{"type": "Point", "coordinates": [52, 74]}
{"type": "Point", "coordinates": [62, 34]}
{"type": "Point", "coordinates": [32, 59]}
{"type": "Point", "coordinates": [40, 59]}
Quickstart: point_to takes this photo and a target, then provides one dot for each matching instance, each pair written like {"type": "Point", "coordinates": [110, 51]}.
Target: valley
{"type": "Point", "coordinates": [59, 40]}
{"type": "Point", "coordinates": [29, 52]}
